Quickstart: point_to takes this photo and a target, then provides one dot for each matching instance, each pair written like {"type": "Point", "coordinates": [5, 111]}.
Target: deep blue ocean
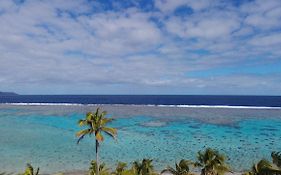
{"type": "Point", "coordinates": [267, 101]}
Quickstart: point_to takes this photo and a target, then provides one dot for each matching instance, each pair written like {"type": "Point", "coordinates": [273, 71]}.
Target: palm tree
{"type": "Point", "coordinates": [121, 167]}
{"type": "Point", "coordinates": [96, 124]}
{"type": "Point", "coordinates": [137, 166]}
{"type": "Point", "coordinates": [263, 167]}
{"type": "Point", "coordinates": [122, 170]}
{"type": "Point", "coordinates": [276, 158]}
{"type": "Point", "coordinates": [181, 169]}
{"type": "Point", "coordinates": [143, 168]}
{"type": "Point", "coordinates": [102, 169]}
{"type": "Point", "coordinates": [30, 171]}
{"type": "Point", "coordinates": [212, 162]}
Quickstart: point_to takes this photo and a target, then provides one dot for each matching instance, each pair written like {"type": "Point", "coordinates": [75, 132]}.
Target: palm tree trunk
{"type": "Point", "coordinates": [97, 157]}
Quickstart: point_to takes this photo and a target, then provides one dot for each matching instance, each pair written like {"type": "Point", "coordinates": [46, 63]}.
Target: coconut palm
{"type": "Point", "coordinates": [212, 162]}
{"type": "Point", "coordinates": [143, 168]}
{"type": "Point", "coordinates": [181, 169]}
{"type": "Point", "coordinates": [30, 171]}
{"type": "Point", "coordinates": [263, 167]}
{"type": "Point", "coordinates": [276, 158]}
{"type": "Point", "coordinates": [137, 166]}
{"type": "Point", "coordinates": [102, 169]}
{"type": "Point", "coordinates": [120, 168]}
{"type": "Point", "coordinates": [96, 124]}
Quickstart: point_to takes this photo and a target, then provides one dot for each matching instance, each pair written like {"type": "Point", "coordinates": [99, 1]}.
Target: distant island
{"type": "Point", "coordinates": [8, 93]}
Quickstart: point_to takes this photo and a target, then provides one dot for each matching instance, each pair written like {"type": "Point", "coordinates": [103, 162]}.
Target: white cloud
{"type": "Point", "coordinates": [171, 5]}
{"type": "Point", "coordinates": [269, 40]}
{"type": "Point", "coordinates": [67, 43]}
{"type": "Point", "coordinates": [206, 25]}
{"type": "Point", "coordinates": [263, 14]}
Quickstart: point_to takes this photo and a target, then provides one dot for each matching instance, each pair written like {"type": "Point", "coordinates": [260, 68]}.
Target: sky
{"type": "Point", "coordinates": [140, 47]}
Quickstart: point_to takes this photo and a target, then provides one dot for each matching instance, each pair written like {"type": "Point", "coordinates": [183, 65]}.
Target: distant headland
{"type": "Point", "coordinates": [8, 93]}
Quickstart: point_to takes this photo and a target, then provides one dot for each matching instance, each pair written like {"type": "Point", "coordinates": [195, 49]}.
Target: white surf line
{"type": "Point", "coordinates": [151, 105]}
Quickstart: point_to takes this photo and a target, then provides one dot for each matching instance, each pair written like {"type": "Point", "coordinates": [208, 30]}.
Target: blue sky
{"type": "Point", "coordinates": [140, 47]}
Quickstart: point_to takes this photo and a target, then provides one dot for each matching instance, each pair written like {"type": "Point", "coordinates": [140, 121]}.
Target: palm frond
{"type": "Point", "coordinates": [99, 137]}
{"type": "Point", "coordinates": [212, 162]}
{"type": "Point", "coordinates": [82, 122]}
{"type": "Point", "coordinates": [102, 168]}
{"type": "Point", "coordinates": [276, 158]}
{"type": "Point", "coordinates": [264, 167]}
{"type": "Point", "coordinates": [170, 170]}
{"type": "Point", "coordinates": [81, 134]}
{"type": "Point", "coordinates": [112, 132]}
{"type": "Point", "coordinates": [104, 121]}
{"type": "Point", "coordinates": [120, 168]}
{"type": "Point", "coordinates": [30, 171]}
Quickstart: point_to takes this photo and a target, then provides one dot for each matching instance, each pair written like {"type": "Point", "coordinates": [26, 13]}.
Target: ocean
{"type": "Point", "coordinates": [265, 101]}
{"type": "Point", "coordinates": [41, 129]}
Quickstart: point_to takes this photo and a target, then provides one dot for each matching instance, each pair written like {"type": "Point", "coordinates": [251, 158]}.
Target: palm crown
{"type": "Point", "coordinates": [212, 162]}
{"type": "Point", "coordinates": [30, 171]}
{"type": "Point", "coordinates": [182, 168]}
{"type": "Point", "coordinates": [276, 158]}
{"type": "Point", "coordinates": [143, 168]}
{"type": "Point", "coordinates": [96, 123]}
{"type": "Point", "coordinates": [102, 169]}
{"type": "Point", "coordinates": [264, 167]}
{"type": "Point", "coordinates": [121, 167]}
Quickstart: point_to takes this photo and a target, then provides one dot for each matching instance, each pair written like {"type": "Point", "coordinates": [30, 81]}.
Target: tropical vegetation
{"type": "Point", "coordinates": [30, 170]}
{"type": "Point", "coordinates": [120, 169]}
{"type": "Point", "coordinates": [102, 169]}
{"type": "Point", "coordinates": [276, 158]}
{"type": "Point", "coordinates": [144, 167]}
{"type": "Point", "coordinates": [211, 162]}
{"type": "Point", "coordinates": [182, 168]}
{"type": "Point", "coordinates": [96, 125]}
{"type": "Point", "coordinates": [264, 167]}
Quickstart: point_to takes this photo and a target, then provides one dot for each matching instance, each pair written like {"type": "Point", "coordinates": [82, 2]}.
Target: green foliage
{"type": "Point", "coordinates": [102, 169]}
{"type": "Point", "coordinates": [181, 169]}
{"type": "Point", "coordinates": [96, 124]}
{"type": "Point", "coordinates": [276, 158]}
{"type": "Point", "coordinates": [143, 168]}
{"type": "Point", "coordinates": [264, 167]}
{"type": "Point", "coordinates": [212, 162]}
{"type": "Point", "coordinates": [120, 168]}
{"type": "Point", "coordinates": [30, 171]}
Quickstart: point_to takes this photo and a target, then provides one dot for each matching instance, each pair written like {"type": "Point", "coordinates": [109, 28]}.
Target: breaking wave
{"type": "Point", "coordinates": [151, 105]}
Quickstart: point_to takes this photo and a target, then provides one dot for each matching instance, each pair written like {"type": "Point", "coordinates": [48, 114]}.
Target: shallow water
{"type": "Point", "coordinates": [45, 136]}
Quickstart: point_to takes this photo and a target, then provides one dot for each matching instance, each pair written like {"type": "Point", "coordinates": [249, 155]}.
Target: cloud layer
{"type": "Point", "coordinates": [140, 47]}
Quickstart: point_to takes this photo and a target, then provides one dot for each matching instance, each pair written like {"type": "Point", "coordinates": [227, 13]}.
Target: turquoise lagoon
{"type": "Point", "coordinates": [45, 136]}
